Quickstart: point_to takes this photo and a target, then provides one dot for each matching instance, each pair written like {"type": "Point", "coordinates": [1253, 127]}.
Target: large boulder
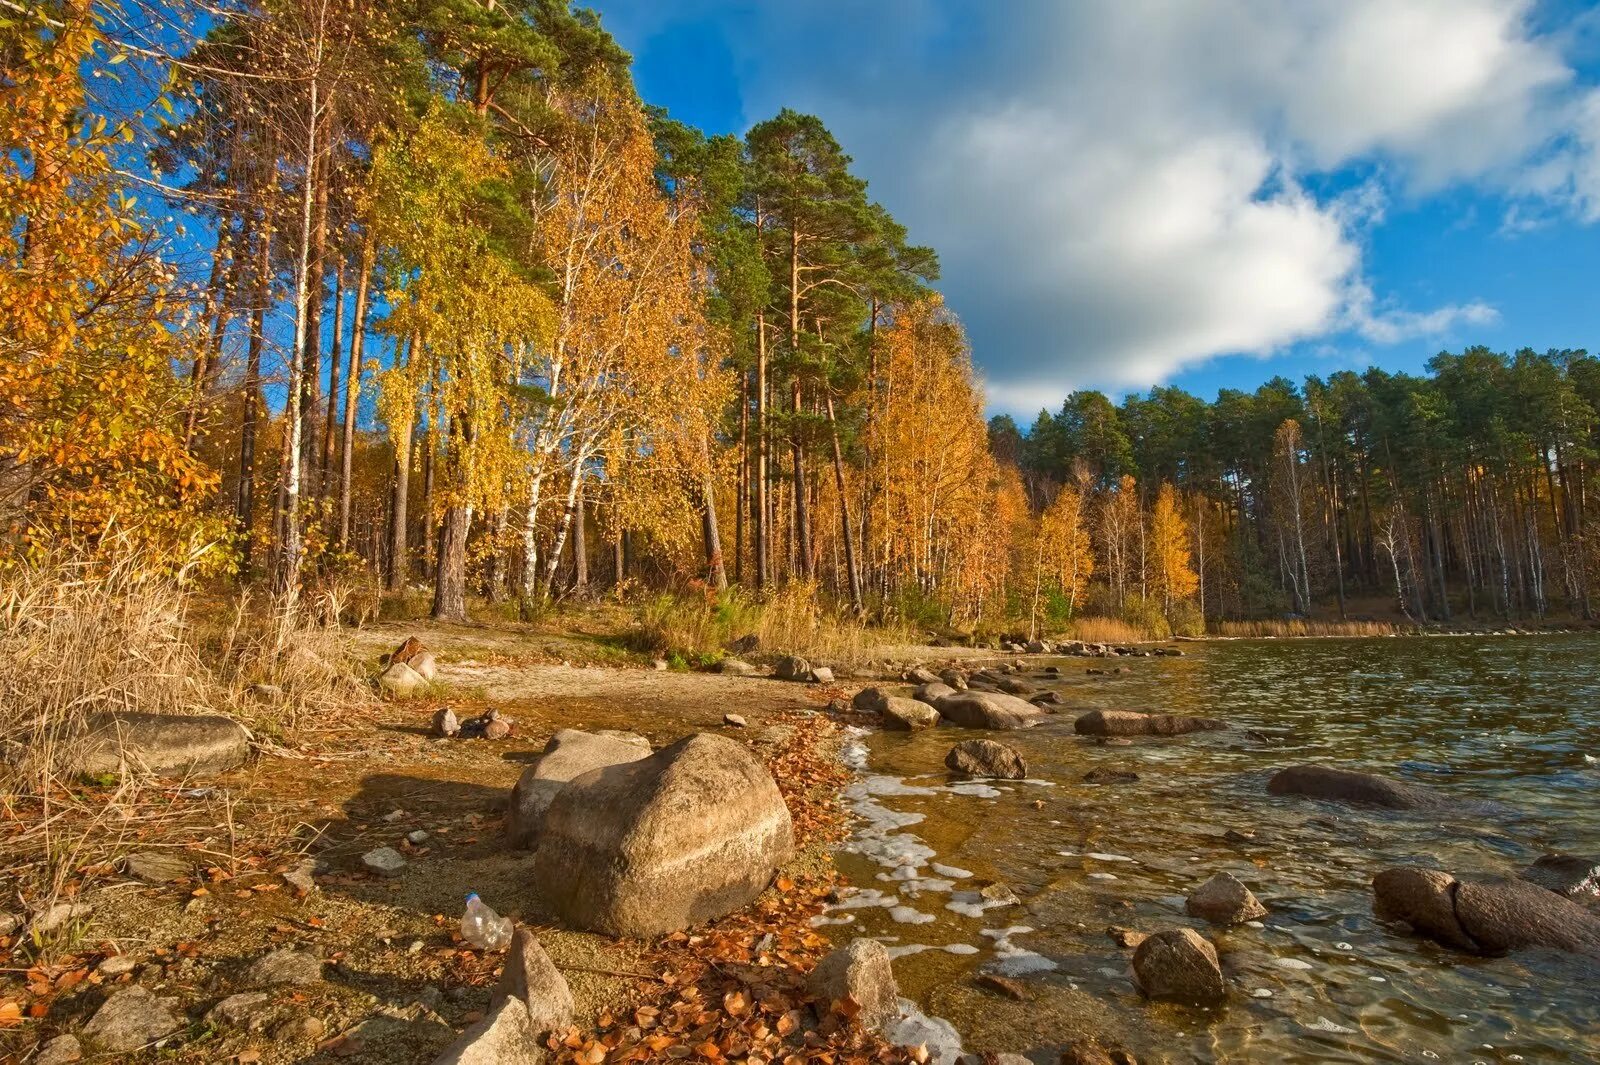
{"type": "Point", "coordinates": [691, 833]}
{"type": "Point", "coordinates": [569, 753]}
{"type": "Point", "coordinates": [991, 710]}
{"type": "Point", "coordinates": [169, 745]}
{"type": "Point", "coordinates": [1348, 786]}
{"type": "Point", "coordinates": [986, 758]}
{"type": "Point", "coordinates": [1179, 965]}
{"type": "Point", "coordinates": [1131, 723]}
{"type": "Point", "coordinates": [907, 715]}
{"type": "Point", "coordinates": [1489, 916]}
{"type": "Point", "coordinates": [858, 972]}
{"type": "Point", "coordinates": [1224, 900]}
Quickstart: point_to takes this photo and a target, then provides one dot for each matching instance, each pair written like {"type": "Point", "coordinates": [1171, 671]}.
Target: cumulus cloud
{"type": "Point", "coordinates": [1122, 188]}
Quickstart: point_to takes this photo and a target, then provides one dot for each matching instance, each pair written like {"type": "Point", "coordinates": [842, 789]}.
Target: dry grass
{"type": "Point", "coordinates": [1302, 627]}
{"type": "Point", "coordinates": [1105, 630]}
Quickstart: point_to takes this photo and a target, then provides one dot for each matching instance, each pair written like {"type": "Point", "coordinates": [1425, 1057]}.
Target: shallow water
{"type": "Point", "coordinates": [1501, 720]}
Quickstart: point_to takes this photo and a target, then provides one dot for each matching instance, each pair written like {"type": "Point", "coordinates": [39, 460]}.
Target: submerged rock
{"type": "Point", "coordinates": [1224, 900]}
{"type": "Point", "coordinates": [1110, 776]}
{"type": "Point", "coordinates": [570, 753]}
{"type": "Point", "coordinates": [990, 710]}
{"type": "Point", "coordinates": [164, 744]}
{"type": "Point", "coordinates": [860, 972]}
{"type": "Point", "coordinates": [908, 714]}
{"type": "Point", "coordinates": [1348, 786]}
{"type": "Point", "coordinates": [1487, 917]}
{"type": "Point", "coordinates": [986, 758]}
{"type": "Point", "coordinates": [1179, 965]}
{"type": "Point", "coordinates": [1565, 874]}
{"type": "Point", "coordinates": [690, 833]}
{"type": "Point", "coordinates": [1002, 985]}
{"type": "Point", "coordinates": [1131, 723]}
{"type": "Point", "coordinates": [1087, 1052]}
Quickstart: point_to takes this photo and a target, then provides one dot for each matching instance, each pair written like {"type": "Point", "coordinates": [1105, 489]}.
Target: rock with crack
{"type": "Point", "coordinates": [505, 1036]}
{"type": "Point", "coordinates": [1484, 916]}
{"type": "Point", "coordinates": [168, 745]}
{"type": "Point", "coordinates": [1179, 965]}
{"type": "Point", "coordinates": [284, 966]}
{"type": "Point", "coordinates": [1347, 786]}
{"type": "Point", "coordinates": [569, 754]}
{"type": "Point", "coordinates": [1224, 900]}
{"type": "Point", "coordinates": [988, 710]}
{"type": "Point", "coordinates": [533, 979]}
{"type": "Point", "coordinates": [986, 758]}
{"type": "Point", "coordinates": [859, 972]}
{"type": "Point", "coordinates": [130, 1019]}
{"type": "Point", "coordinates": [691, 833]}
{"type": "Point", "coordinates": [907, 715]}
{"type": "Point", "coordinates": [1132, 723]}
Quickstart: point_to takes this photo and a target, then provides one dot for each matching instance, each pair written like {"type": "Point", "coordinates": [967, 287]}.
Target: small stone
{"type": "Point", "coordinates": [860, 971]}
{"type": "Point", "coordinates": [822, 675]}
{"type": "Point", "coordinates": [431, 997]}
{"type": "Point", "coordinates": [267, 693]}
{"type": "Point", "coordinates": [244, 1010]}
{"type": "Point", "coordinates": [157, 867]}
{"type": "Point", "coordinates": [660, 665]}
{"type": "Point", "coordinates": [445, 722]}
{"type": "Point", "coordinates": [117, 965]}
{"type": "Point", "coordinates": [1224, 900]}
{"type": "Point", "coordinates": [1110, 776]}
{"type": "Point", "coordinates": [130, 1019]}
{"type": "Point", "coordinates": [283, 966]}
{"type": "Point", "coordinates": [735, 720]}
{"type": "Point", "coordinates": [394, 815]}
{"type": "Point", "coordinates": [1002, 985]}
{"type": "Point", "coordinates": [1126, 937]}
{"type": "Point", "coordinates": [1001, 893]}
{"type": "Point", "coordinates": [415, 947]}
{"type": "Point", "coordinates": [302, 877]}
{"type": "Point", "coordinates": [1234, 835]}
{"type": "Point", "coordinates": [417, 838]}
{"type": "Point", "coordinates": [9, 922]}
{"type": "Point", "coordinates": [60, 914]}
{"type": "Point", "coordinates": [385, 861]}
{"type": "Point", "coordinates": [1179, 965]}
{"type": "Point", "coordinates": [60, 1051]}
{"type": "Point", "coordinates": [792, 667]}
{"type": "Point", "coordinates": [735, 667]}
{"type": "Point", "coordinates": [986, 758]}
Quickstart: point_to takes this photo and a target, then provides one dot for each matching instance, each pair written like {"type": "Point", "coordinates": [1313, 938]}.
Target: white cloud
{"type": "Point", "coordinates": [1120, 188]}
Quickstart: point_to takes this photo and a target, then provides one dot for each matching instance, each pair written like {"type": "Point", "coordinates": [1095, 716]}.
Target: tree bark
{"type": "Point", "coordinates": [399, 564]}
{"type": "Point", "coordinates": [352, 386]}
{"type": "Point", "coordinates": [847, 527]}
{"type": "Point", "coordinates": [245, 505]}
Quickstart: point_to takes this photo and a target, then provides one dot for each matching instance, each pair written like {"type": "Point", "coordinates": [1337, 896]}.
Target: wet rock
{"type": "Point", "coordinates": [248, 1009]}
{"type": "Point", "coordinates": [1012, 686]}
{"type": "Point", "coordinates": [1565, 874]}
{"type": "Point", "coordinates": [736, 667]}
{"type": "Point", "coordinates": [1087, 1052]}
{"type": "Point", "coordinates": [131, 1018]}
{"type": "Point", "coordinates": [1423, 899]}
{"type": "Point", "coordinates": [932, 693]}
{"type": "Point", "coordinates": [986, 758]}
{"type": "Point", "coordinates": [1110, 776]}
{"type": "Point", "coordinates": [735, 721]}
{"type": "Point", "coordinates": [180, 745]}
{"type": "Point", "coordinates": [1348, 786]}
{"type": "Point", "coordinates": [569, 754]}
{"type": "Point", "coordinates": [1046, 698]}
{"type": "Point", "coordinates": [283, 966]}
{"type": "Point", "coordinates": [990, 710]}
{"type": "Point", "coordinates": [1179, 965]}
{"type": "Point", "coordinates": [689, 834]}
{"type": "Point", "coordinates": [62, 1050]}
{"type": "Point", "coordinates": [792, 667]}
{"type": "Point", "coordinates": [533, 979]}
{"type": "Point", "coordinates": [505, 1036]}
{"type": "Point", "coordinates": [1224, 900]}
{"type": "Point", "coordinates": [1505, 915]}
{"type": "Point", "coordinates": [1002, 985]}
{"type": "Point", "coordinates": [1234, 835]}
{"type": "Point", "coordinates": [157, 867]}
{"type": "Point", "coordinates": [920, 675]}
{"type": "Point", "coordinates": [445, 722]}
{"type": "Point", "coordinates": [870, 700]}
{"type": "Point", "coordinates": [908, 715]}
{"type": "Point", "coordinates": [995, 891]}
{"type": "Point", "coordinates": [401, 680]}
{"type": "Point", "coordinates": [1131, 723]}
{"type": "Point", "coordinates": [858, 971]}
{"type": "Point", "coordinates": [954, 678]}
{"type": "Point", "coordinates": [385, 861]}
{"type": "Point", "coordinates": [1126, 937]}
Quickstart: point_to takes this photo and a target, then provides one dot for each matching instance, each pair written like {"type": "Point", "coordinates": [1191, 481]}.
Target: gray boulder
{"type": "Point", "coordinates": [1347, 786]}
{"type": "Point", "coordinates": [164, 744]}
{"type": "Point", "coordinates": [131, 1018]}
{"type": "Point", "coordinates": [399, 679]}
{"type": "Point", "coordinates": [62, 1050]}
{"type": "Point", "coordinates": [908, 715]}
{"type": "Point", "coordinates": [955, 678]}
{"type": "Point", "coordinates": [248, 1009]}
{"type": "Point", "coordinates": [1179, 965]}
{"type": "Point", "coordinates": [932, 693]}
{"type": "Point", "coordinates": [533, 979]}
{"type": "Point", "coordinates": [1565, 874]}
{"type": "Point", "coordinates": [569, 753]}
{"type": "Point", "coordinates": [445, 722]}
{"type": "Point", "coordinates": [860, 972]}
{"type": "Point", "coordinates": [1130, 723]}
{"type": "Point", "coordinates": [1486, 917]}
{"type": "Point", "coordinates": [986, 758]}
{"type": "Point", "coordinates": [870, 700]}
{"type": "Point", "coordinates": [1224, 900]}
{"type": "Point", "coordinates": [820, 675]}
{"type": "Point", "coordinates": [989, 710]}
{"type": "Point", "coordinates": [691, 833]}
{"type": "Point", "coordinates": [920, 675]}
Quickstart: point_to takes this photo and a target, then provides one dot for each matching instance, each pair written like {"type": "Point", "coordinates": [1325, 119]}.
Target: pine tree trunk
{"type": "Point", "coordinates": [450, 572]}
{"type": "Point", "coordinates": [763, 530]}
{"type": "Point", "coordinates": [330, 415]}
{"type": "Point", "coordinates": [352, 387]}
{"type": "Point", "coordinates": [847, 527]}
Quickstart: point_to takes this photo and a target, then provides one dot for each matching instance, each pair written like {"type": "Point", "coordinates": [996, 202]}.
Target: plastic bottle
{"type": "Point", "coordinates": [484, 928]}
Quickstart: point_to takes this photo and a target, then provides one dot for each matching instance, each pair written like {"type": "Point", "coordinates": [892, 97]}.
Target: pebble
{"type": "Point", "coordinates": [1291, 963]}
{"type": "Point", "coordinates": [1261, 992]}
{"type": "Point", "coordinates": [417, 838]}
{"type": "Point", "coordinates": [415, 947]}
{"type": "Point", "coordinates": [385, 861]}
{"type": "Point", "coordinates": [60, 1051]}
{"type": "Point", "coordinates": [117, 965]}
{"type": "Point", "coordinates": [735, 720]}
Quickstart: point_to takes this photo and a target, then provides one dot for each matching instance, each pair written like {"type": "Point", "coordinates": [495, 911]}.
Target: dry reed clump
{"type": "Point", "coordinates": [1302, 627]}
{"type": "Point", "coordinates": [1105, 630]}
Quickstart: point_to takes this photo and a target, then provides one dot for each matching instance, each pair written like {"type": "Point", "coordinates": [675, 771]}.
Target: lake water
{"type": "Point", "coordinates": [1512, 720]}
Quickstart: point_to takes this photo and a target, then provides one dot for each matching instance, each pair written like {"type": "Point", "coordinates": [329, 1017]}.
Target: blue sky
{"type": "Point", "coordinates": [1197, 192]}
